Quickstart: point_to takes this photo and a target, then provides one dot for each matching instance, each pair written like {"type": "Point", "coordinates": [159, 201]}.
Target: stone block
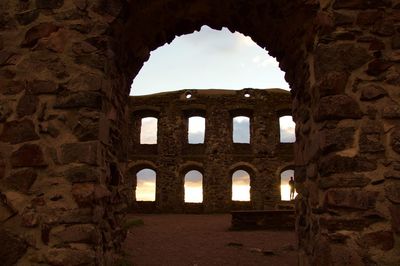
{"type": "Point", "coordinates": [336, 139]}
{"type": "Point", "coordinates": [27, 105]}
{"type": "Point", "coordinates": [49, 4]}
{"type": "Point", "coordinates": [391, 111]}
{"type": "Point", "coordinates": [395, 140]}
{"type": "Point", "coordinates": [34, 34]}
{"type": "Point", "coordinates": [70, 257]}
{"type": "Point", "coordinates": [370, 143]}
{"type": "Point", "coordinates": [27, 17]}
{"type": "Point", "coordinates": [79, 100]}
{"type": "Point", "coordinates": [342, 57]}
{"type": "Point", "coordinates": [383, 240]}
{"type": "Point", "coordinates": [337, 107]}
{"type": "Point", "coordinates": [368, 18]}
{"type": "Point", "coordinates": [372, 92]}
{"type": "Point", "coordinates": [332, 164]}
{"type": "Point", "coordinates": [378, 66]}
{"type": "Point", "coordinates": [360, 4]}
{"type": "Point", "coordinates": [80, 233]}
{"type": "Point", "coordinates": [82, 174]}
{"type": "Point", "coordinates": [350, 198]}
{"type": "Point", "coordinates": [18, 131]}
{"type": "Point", "coordinates": [392, 191]}
{"type": "Point", "coordinates": [42, 87]}
{"type": "Point", "coordinates": [343, 180]}
{"type": "Point", "coordinates": [29, 155]}
{"type": "Point", "coordinates": [83, 193]}
{"type": "Point", "coordinates": [21, 180]}
{"type": "Point", "coordinates": [80, 152]}
{"type": "Point", "coordinates": [332, 83]}
{"type": "Point", "coordinates": [5, 111]}
{"type": "Point", "coordinates": [11, 248]}
{"type": "Point", "coordinates": [395, 217]}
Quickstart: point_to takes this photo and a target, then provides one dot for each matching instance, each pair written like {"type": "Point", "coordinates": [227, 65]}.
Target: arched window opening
{"type": "Point", "coordinates": [287, 129]}
{"type": "Point", "coordinates": [193, 187]}
{"type": "Point", "coordinates": [241, 186]}
{"type": "Point", "coordinates": [148, 130]}
{"type": "Point", "coordinates": [196, 129]}
{"type": "Point", "coordinates": [146, 185]}
{"type": "Point", "coordinates": [241, 129]}
{"type": "Point", "coordinates": [233, 61]}
{"type": "Point", "coordinates": [285, 187]}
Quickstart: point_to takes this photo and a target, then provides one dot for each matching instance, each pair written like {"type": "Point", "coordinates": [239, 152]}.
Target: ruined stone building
{"type": "Point", "coordinates": [264, 158]}
{"type": "Point", "coordinates": [66, 67]}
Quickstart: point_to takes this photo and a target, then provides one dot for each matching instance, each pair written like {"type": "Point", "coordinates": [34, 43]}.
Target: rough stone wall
{"type": "Point", "coordinates": [348, 137]}
{"type": "Point", "coordinates": [172, 157]}
{"type": "Point", "coordinates": [65, 73]}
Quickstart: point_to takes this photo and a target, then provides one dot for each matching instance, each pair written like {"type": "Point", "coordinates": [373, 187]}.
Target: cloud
{"type": "Point", "coordinates": [287, 129]}
{"type": "Point", "coordinates": [241, 129]}
{"type": "Point", "coordinates": [148, 131]}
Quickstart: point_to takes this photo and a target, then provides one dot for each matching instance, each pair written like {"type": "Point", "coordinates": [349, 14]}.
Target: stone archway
{"type": "Point", "coordinates": [65, 71]}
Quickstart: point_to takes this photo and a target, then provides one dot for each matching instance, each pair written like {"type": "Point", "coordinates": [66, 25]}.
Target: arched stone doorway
{"type": "Point", "coordinates": [65, 71]}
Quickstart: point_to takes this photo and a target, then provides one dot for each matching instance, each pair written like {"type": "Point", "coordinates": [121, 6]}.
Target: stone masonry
{"type": "Point", "coordinates": [66, 67]}
{"type": "Point", "coordinates": [217, 159]}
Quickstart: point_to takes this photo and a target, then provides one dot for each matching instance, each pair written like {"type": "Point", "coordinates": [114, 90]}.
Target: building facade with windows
{"type": "Point", "coordinates": [241, 134]}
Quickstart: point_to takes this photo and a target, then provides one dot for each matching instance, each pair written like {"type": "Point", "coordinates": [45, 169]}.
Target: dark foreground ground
{"type": "Point", "coordinates": [204, 240]}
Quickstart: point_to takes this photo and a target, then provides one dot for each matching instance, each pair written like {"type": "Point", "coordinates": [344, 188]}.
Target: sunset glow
{"type": "Point", "coordinates": [146, 185]}
{"type": "Point", "coordinates": [194, 187]}
{"type": "Point", "coordinates": [241, 186]}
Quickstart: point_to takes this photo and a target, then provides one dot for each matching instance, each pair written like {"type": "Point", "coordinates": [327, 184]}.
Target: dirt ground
{"type": "Point", "coordinates": [204, 240]}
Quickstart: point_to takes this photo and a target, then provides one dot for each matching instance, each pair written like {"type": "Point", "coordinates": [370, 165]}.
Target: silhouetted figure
{"type": "Point", "coordinates": [291, 184]}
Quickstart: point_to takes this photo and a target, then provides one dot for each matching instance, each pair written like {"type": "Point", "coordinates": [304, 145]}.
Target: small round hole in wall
{"type": "Point", "coordinates": [188, 95]}
{"type": "Point", "coordinates": [247, 95]}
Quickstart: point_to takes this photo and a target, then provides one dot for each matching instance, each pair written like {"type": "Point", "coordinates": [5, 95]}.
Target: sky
{"type": "Point", "coordinates": [207, 59]}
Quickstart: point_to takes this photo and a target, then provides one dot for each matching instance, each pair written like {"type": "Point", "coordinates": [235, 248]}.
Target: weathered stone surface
{"type": "Point", "coordinates": [343, 180]}
{"type": "Point", "coordinates": [34, 34]}
{"type": "Point", "coordinates": [70, 257]}
{"type": "Point", "coordinates": [337, 107]}
{"type": "Point", "coordinates": [49, 4]}
{"type": "Point", "coordinates": [384, 28]}
{"type": "Point", "coordinates": [395, 214]}
{"type": "Point", "coordinates": [396, 41]}
{"type": "Point", "coordinates": [392, 174]}
{"type": "Point", "coordinates": [339, 58]}
{"type": "Point", "coordinates": [80, 152]}
{"type": "Point", "coordinates": [11, 248]}
{"type": "Point", "coordinates": [83, 193]}
{"type": "Point", "coordinates": [21, 180]}
{"type": "Point", "coordinates": [391, 111]}
{"type": "Point", "coordinates": [78, 100]}
{"type": "Point", "coordinates": [339, 164]}
{"type": "Point", "coordinates": [360, 4]}
{"type": "Point", "coordinates": [87, 128]}
{"type": "Point", "coordinates": [372, 92]}
{"type": "Point", "coordinates": [332, 83]}
{"type": "Point", "coordinates": [42, 87]}
{"type": "Point", "coordinates": [27, 105]}
{"type": "Point", "coordinates": [5, 111]}
{"type": "Point", "coordinates": [336, 139]}
{"type": "Point", "coordinates": [82, 233]}
{"type": "Point", "coordinates": [18, 132]}
{"type": "Point", "coordinates": [371, 143]}
{"type": "Point", "coordinates": [381, 239]}
{"type": "Point", "coordinates": [368, 18]}
{"type": "Point", "coordinates": [350, 198]}
{"type": "Point", "coordinates": [392, 190]}
{"type": "Point", "coordinates": [29, 155]}
{"type": "Point", "coordinates": [378, 66]}
{"type": "Point", "coordinates": [82, 174]}
{"type": "Point", "coordinates": [27, 17]}
{"type": "Point", "coordinates": [395, 140]}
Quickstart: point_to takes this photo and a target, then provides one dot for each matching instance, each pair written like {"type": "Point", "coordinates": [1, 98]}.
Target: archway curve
{"type": "Point", "coordinates": [248, 167]}
{"type": "Point", "coordinates": [189, 166]}
{"type": "Point", "coordinates": [276, 35]}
